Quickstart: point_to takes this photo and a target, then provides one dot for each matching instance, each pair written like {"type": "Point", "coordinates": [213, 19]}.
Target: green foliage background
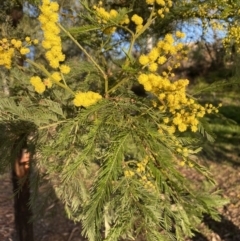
{"type": "Point", "coordinates": [83, 153]}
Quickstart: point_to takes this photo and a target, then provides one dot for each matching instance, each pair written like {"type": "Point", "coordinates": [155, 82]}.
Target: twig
{"type": "Point", "coordinates": [71, 234]}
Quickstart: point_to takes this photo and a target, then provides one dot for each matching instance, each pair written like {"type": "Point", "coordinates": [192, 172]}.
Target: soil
{"type": "Point", "coordinates": [56, 227]}
{"type": "Point", "coordinates": [51, 226]}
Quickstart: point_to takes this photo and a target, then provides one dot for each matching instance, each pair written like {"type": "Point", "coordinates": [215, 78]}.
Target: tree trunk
{"type": "Point", "coordinates": [21, 189]}
{"type": "Point", "coordinates": [20, 170]}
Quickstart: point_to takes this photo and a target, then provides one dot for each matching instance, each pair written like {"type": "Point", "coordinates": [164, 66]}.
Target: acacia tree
{"type": "Point", "coordinates": [110, 132]}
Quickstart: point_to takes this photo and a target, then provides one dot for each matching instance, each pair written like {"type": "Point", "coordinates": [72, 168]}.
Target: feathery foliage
{"type": "Point", "coordinates": [112, 157]}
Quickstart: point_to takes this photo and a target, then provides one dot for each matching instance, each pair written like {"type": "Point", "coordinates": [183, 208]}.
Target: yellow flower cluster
{"type": "Point", "coordinates": [164, 7]}
{"type": "Point", "coordinates": [7, 50]}
{"type": "Point", "coordinates": [103, 16]}
{"type": "Point", "coordinates": [160, 2]}
{"type": "Point", "coordinates": [183, 111]}
{"type": "Point", "coordinates": [38, 85]}
{"type": "Point", "coordinates": [216, 25]}
{"type": "Point", "coordinates": [233, 37]}
{"type": "Point", "coordinates": [52, 43]}
{"type": "Point", "coordinates": [52, 40]}
{"type": "Point", "coordinates": [129, 173]}
{"type": "Point", "coordinates": [6, 53]}
{"type": "Point", "coordinates": [157, 56]}
{"type": "Point", "coordinates": [86, 99]}
{"type": "Point", "coordinates": [142, 173]}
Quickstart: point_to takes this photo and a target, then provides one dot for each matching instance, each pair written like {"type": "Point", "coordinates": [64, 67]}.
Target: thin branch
{"type": "Point", "coordinates": [88, 55]}
{"type": "Point", "coordinates": [42, 68]}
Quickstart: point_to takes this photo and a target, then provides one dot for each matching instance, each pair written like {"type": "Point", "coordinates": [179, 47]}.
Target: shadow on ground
{"type": "Point", "coordinates": [226, 128]}
{"type": "Point", "coordinates": [225, 229]}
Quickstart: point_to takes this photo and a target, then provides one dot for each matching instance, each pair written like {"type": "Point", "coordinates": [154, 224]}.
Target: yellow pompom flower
{"type": "Point", "coordinates": [166, 120]}
{"type": "Point", "coordinates": [35, 41]}
{"type": "Point", "coordinates": [153, 67]}
{"type": "Point", "coordinates": [182, 127]}
{"type": "Point", "coordinates": [182, 163]}
{"type": "Point", "coordinates": [56, 76]}
{"type": "Point", "coordinates": [18, 44]}
{"type": "Point", "coordinates": [28, 39]}
{"type": "Point", "coordinates": [194, 128]}
{"type": "Point", "coordinates": [166, 10]}
{"type": "Point", "coordinates": [160, 11]}
{"type": "Point", "coordinates": [143, 59]}
{"type": "Point", "coordinates": [113, 13]}
{"type": "Point", "coordinates": [54, 63]}
{"type": "Point", "coordinates": [13, 41]}
{"type": "Point", "coordinates": [38, 84]}
{"type": "Point", "coordinates": [171, 129]}
{"type": "Point", "coordinates": [142, 78]}
{"type": "Point", "coordinates": [24, 51]}
{"type": "Point", "coordinates": [153, 54]}
{"type": "Point", "coordinates": [86, 99]}
{"type": "Point", "coordinates": [128, 173]}
{"type": "Point", "coordinates": [170, 3]}
{"type": "Point", "coordinates": [137, 19]}
{"type": "Point", "coordinates": [150, 1]}
{"type": "Point", "coordinates": [161, 60]}
{"type": "Point", "coordinates": [177, 120]}
{"type": "Point", "coordinates": [169, 39]}
{"type": "Point", "coordinates": [65, 69]}
{"type": "Point", "coordinates": [162, 96]}
{"type": "Point", "coordinates": [160, 2]}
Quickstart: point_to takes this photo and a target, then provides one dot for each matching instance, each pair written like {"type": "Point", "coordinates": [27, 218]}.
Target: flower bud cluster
{"type": "Point", "coordinates": [165, 5]}
{"type": "Point", "coordinates": [160, 2]}
{"type": "Point", "coordinates": [104, 16]}
{"type": "Point", "coordinates": [233, 37]}
{"type": "Point", "coordinates": [141, 172]}
{"type": "Point", "coordinates": [159, 54]}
